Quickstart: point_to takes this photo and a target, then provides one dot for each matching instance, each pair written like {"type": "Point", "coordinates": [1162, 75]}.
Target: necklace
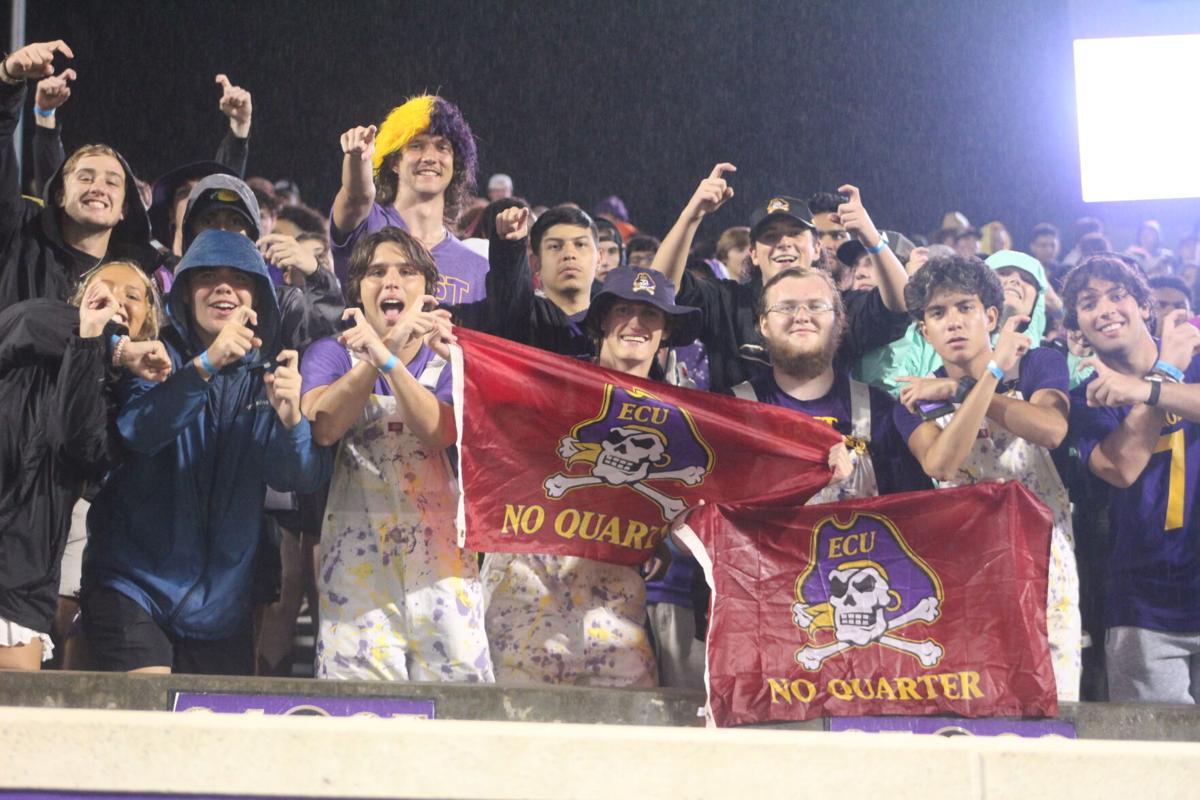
{"type": "Point", "coordinates": [429, 245]}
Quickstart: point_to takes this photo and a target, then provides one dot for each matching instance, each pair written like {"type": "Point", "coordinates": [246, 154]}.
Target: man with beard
{"type": "Point", "coordinates": [802, 320]}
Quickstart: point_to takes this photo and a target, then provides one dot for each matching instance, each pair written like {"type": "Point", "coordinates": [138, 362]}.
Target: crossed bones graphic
{"type": "Point", "coordinates": [928, 652]}
{"type": "Point", "coordinates": [559, 484]}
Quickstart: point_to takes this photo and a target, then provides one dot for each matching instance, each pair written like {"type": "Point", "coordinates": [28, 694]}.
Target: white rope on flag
{"type": "Point", "coordinates": [687, 537]}
{"type": "Point", "coordinates": [456, 390]}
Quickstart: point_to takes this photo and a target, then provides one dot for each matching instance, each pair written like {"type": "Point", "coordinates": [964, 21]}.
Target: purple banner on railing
{"type": "Point", "coordinates": [303, 705]}
{"type": "Point", "coordinates": [954, 726]}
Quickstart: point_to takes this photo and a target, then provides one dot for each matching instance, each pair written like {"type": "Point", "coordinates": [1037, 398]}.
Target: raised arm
{"type": "Point", "coordinates": [890, 272]}
{"type": "Point", "coordinates": [48, 153]}
{"type": "Point", "coordinates": [710, 195]}
{"type": "Point", "coordinates": [508, 306]}
{"type": "Point", "coordinates": [320, 288]}
{"type": "Point", "coordinates": [1042, 418]}
{"type": "Point", "coordinates": [1121, 456]}
{"type": "Point", "coordinates": [1180, 344]}
{"type": "Point", "coordinates": [78, 425]}
{"type": "Point", "coordinates": [31, 62]}
{"type": "Point", "coordinates": [357, 193]}
{"type": "Point", "coordinates": [237, 104]}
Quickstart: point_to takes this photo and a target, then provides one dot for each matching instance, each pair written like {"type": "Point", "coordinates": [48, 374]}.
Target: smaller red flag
{"type": "Point", "coordinates": [562, 457]}
{"type": "Point", "coordinates": [921, 603]}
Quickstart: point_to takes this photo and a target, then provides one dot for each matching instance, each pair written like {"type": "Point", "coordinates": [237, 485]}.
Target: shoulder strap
{"type": "Point", "coordinates": [745, 391]}
{"type": "Point", "coordinates": [860, 410]}
{"type": "Point", "coordinates": [433, 370]}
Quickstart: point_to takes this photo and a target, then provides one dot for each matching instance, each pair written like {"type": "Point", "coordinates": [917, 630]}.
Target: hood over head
{"type": "Point", "coordinates": [217, 248]}
{"type": "Point", "coordinates": [221, 190]}
{"type": "Point", "coordinates": [134, 228]}
{"type": "Point", "coordinates": [1030, 265]}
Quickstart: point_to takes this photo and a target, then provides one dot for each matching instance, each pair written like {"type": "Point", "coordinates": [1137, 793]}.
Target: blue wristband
{"type": "Point", "coordinates": [390, 364]}
{"type": "Point", "coordinates": [206, 364]}
{"type": "Point", "coordinates": [994, 368]}
{"type": "Point", "coordinates": [112, 340]}
{"type": "Point", "coordinates": [41, 113]}
{"type": "Point", "coordinates": [1170, 370]}
{"type": "Point", "coordinates": [877, 249]}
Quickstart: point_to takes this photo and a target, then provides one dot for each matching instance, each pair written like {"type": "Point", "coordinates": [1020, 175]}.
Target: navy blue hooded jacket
{"type": "Point", "coordinates": [176, 525]}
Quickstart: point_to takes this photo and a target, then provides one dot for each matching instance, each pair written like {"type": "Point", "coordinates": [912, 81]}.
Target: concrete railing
{"type": "Point", "coordinates": [62, 751]}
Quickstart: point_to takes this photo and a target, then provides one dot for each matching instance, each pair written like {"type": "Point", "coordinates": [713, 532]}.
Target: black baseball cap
{"type": "Point", "coordinates": [780, 207]}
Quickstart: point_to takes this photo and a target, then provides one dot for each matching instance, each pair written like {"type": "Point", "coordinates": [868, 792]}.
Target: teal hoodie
{"type": "Point", "coordinates": [912, 355]}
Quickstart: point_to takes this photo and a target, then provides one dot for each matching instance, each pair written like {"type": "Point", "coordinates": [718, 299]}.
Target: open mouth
{"type": "Point", "coordinates": [120, 318]}
{"type": "Point", "coordinates": [634, 338]}
{"type": "Point", "coordinates": [96, 203]}
{"type": "Point", "coordinates": [391, 310]}
{"type": "Point", "coordinates": [223, 308]}
{"type": "Point", "coordinates": [1110, 328]}
{"type": "Point", "coordinates": [785, 260]}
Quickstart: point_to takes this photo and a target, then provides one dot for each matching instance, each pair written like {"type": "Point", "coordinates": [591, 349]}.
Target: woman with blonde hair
{"type": "Point", "coordinates": [57, 361]}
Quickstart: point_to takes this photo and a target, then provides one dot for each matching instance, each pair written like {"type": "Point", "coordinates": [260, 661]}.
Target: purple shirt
{"type": "Point", "coordinates": [1041, 368]}
{"type": "Point", "coordinates": [325, 361]}
{"type": "Point", "coordinates": [1153, 575]}
{"type": "Point", "coordinates": [895, 468]}
{"type": "Point", "coordinates": [463, 271]}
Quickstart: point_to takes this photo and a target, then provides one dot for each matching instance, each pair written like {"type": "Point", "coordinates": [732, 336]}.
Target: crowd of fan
{"type": "Point", "coordinates": [221, 404]}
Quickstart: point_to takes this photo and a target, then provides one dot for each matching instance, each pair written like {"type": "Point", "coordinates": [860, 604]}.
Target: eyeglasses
{"type": "Point", "coordinates": [790, 308]}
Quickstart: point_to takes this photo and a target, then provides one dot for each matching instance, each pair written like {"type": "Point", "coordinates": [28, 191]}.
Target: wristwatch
{"type": "Point", "coordinates": [1156, 381]}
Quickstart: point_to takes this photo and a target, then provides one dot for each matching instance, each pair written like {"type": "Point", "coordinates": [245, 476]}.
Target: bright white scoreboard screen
{"type": "Point", "coordinates": [1138, 101]}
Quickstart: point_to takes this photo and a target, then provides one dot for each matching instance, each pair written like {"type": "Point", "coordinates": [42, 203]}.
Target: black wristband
{"type": "Point", "coordinates": [1155, 391]}
{"type": "Point", "coordinates": [965, 384]}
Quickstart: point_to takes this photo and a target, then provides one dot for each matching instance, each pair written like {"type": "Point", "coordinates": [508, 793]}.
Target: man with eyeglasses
{"type": "Point", "coordinates": [782, 236]}
{"type": "Point", "coordinates": [802, 320]}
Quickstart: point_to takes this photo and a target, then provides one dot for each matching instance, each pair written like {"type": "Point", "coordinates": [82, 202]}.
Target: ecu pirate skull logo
{"type": "Point", "coordinates": [864, 585]}
{"type": "Point", "coordinates": [635, 439]}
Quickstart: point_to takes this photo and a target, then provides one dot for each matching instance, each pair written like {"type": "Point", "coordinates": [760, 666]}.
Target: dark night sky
{"type": "Point", "coordinates": [927, 105]}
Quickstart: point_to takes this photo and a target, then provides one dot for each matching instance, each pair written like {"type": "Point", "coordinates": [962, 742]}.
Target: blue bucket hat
{"type": "Point", "coordinates": [646, 285]}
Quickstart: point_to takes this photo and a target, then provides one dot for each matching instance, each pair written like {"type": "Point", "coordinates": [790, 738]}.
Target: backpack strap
{"type": "Point", "coordinates": [745, 391]}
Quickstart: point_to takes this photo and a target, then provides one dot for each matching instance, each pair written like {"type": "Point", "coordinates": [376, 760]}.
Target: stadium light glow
{"type": "Point", "coordinates": [1139, 117]}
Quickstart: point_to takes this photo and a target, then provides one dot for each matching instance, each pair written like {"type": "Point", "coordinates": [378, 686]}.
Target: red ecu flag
{"type": "Point", "coordinates": [561, 457]}
{"type": "Point", "coordinates": [921, 603]}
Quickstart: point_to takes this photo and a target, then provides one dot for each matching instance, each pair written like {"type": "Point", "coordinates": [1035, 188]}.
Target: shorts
{"type": "Point", "coordinates": [312, 511]}
{"type": "Point", "coordinates": [122, 636]}
{"type": "Point", "coordinates": [14, 635]}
